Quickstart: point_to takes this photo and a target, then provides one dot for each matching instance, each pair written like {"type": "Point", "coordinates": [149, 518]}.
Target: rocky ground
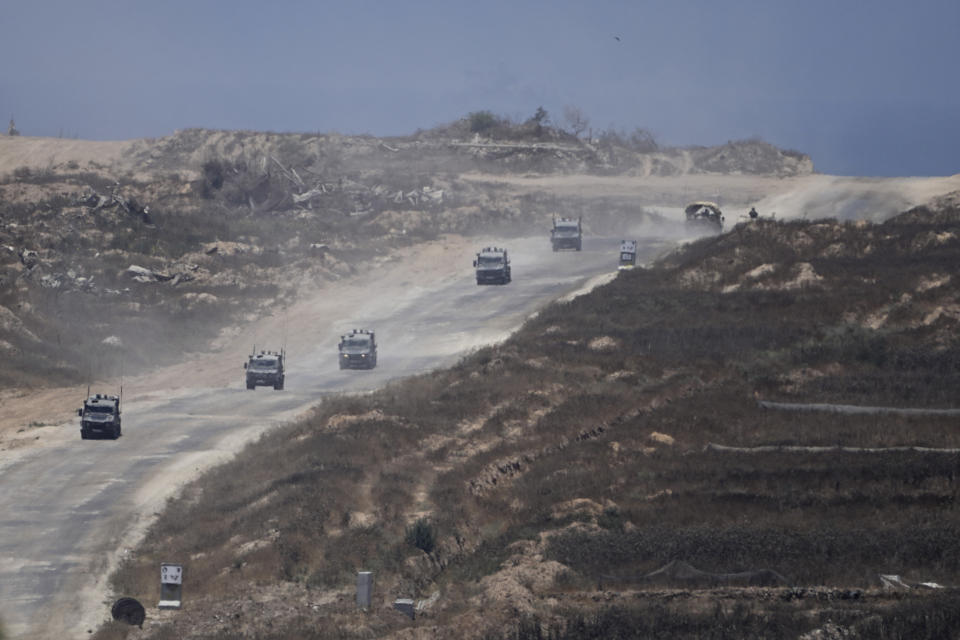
{"type": "Point", "coordinates": [568, 482]}
{"type": "Point", "coordinates": [124, 255]}
{"type": "Point", "coordinates": [127, 256]}
{"type": "Point", "coordinates": [119, 257]}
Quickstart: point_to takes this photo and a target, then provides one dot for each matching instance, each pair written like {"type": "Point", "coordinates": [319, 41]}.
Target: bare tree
{"type": "Point", "coordinates": [643, 140]}
{"type": "Point", "coordinates": [576, 120]}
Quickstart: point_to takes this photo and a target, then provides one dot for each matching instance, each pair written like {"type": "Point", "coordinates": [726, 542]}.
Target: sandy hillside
{"type": "Point", "coordinates": [43, 153]}
{"type": "Point", "coordinates": [812, 197]}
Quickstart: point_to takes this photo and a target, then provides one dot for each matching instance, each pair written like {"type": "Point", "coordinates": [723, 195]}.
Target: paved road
{"type": "Point", "coordinates": [66, 509]}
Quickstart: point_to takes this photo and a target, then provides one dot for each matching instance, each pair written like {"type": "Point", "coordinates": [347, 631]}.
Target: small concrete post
{"type": "Point", "coordinates": [364, 589]}
{"type": "Point", "coordinates": [405, 606]}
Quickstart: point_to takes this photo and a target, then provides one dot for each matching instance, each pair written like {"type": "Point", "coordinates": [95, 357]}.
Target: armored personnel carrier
{"type": "Point", "coordinates": [265, 369]}
{"type": "Point", "coordinates": [358, 349]}
{"type": "Point", "coordinates": [704, 215]}
{"type": "Point", "coordinates": [100, 417]}
{"type": "Point", "coordinates": [493, 266]}
{"type": "Point", "coordinates": [567, 233]}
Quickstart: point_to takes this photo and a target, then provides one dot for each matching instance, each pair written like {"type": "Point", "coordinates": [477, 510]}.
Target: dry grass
{"type": "Point", "coordinates": [496, 453]}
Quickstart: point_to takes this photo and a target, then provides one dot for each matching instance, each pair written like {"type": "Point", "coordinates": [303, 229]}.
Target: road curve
{"type": "Point", "coordinates": [67, 511]}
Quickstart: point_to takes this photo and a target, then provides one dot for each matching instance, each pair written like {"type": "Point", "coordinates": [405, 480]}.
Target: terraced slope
{"type": "Point", "coordinates": [532, 490]}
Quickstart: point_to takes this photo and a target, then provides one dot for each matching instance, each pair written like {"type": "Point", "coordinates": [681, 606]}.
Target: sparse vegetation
{"type": "Point", "coordinates": [276, 196]}
{"type": "Point", "coordinates": [482, 121]}
{"type": "Point", "coordinates": [421, 535]}
{"type": "Point", "coordinates": [553, 469]}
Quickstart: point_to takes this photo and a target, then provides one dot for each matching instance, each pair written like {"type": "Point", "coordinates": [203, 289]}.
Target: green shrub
{"type": "Point", "coordinates": [481, 121]}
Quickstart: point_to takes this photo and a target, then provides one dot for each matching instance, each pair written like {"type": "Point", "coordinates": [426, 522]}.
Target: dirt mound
{"type": "Point", "coordinates": [752, 156]}
{"type": "Point", "coordinates": [941, 210]}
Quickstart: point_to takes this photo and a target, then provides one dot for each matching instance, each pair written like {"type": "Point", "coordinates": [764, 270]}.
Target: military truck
{"type": "Point", "coordinates": [265, 369]}
{"type": "Point", "coordinates": [358, 349]}
{"type": "Point", "coordinates": [567, 233]}
{"type": "Point", "coordinates": [704, 215]}
{"type": "Point", "coordinates": [628, 254]}
{"type": "Point", "coordinates": [492, 265]}
{"type": "Point", "coordinates": [100, 417]}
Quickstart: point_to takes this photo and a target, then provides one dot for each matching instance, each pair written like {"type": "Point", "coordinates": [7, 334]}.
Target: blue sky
{"type": "Point", "coordinates": [866, 88]}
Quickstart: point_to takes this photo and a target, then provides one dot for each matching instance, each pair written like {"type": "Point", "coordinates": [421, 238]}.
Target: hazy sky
{"type": "Point", "coordinates": [864, 87]}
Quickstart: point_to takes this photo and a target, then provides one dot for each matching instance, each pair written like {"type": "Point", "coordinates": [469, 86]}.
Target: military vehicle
{"type": "Point", "coordinates": [358, 349]}
{"type": "Point", "coordinates": [493, 266]}
{"type": "Point", "coordinates": [628, 254]}
{"type": "Point", "coordinates": [567, 233]}
{"type": "Point", "coordinates": [704, 215]}
{"type": "Point", "coordinates": [100, 416]}
{"type": "Point", "coordinates": [265, 369]}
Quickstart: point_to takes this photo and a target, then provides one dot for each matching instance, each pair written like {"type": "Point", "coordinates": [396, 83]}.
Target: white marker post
{"type": "Point", "coordinates": [171, 586]}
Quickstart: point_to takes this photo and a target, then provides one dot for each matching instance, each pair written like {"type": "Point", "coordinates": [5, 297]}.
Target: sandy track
{"type": "Point", "coordinates": [31, 418]}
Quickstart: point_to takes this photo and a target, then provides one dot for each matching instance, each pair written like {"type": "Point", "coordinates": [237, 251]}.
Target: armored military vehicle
{"type": "Point", "coordinates": [493, 266]}
{"type": "Point", "coordinates": [265, 369]}
{"type": "Point", "coordinates": [628, 254]}
{"type": "Point", "coordinates": [358, 349]}
{"type": "Point", "coordinates": [100, 417]}
{"type": "Point", "coordinates": [567, 233]}
{"type": "Point", "coordinates": [705, 216]}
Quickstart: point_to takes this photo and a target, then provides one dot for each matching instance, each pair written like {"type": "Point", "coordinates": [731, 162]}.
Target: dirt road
{"type": "Point", "coordinates": [70, 508]}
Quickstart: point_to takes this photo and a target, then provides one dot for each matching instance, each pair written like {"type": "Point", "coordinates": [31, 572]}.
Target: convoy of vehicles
{"type": "Point", "coordinates": [493, 266]}
{"type": "Point", "coordinates": [566, 233]}
{"type": "Point", "coordinates": [100, 414]}
{"type": "Point", "coordinates": [358, 350]}
{"type": "Point", "coordinates": [100, 417]}
{"type": "Point", "coordinates": [265, 369]}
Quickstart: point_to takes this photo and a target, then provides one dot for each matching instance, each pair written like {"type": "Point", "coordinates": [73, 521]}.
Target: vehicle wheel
{"type": "Point", "coordinates": [116, 433]}
{"type": "Point", "coordinates": [252, 387]}
{"type": "Point", "coordinates": [579, 246]}
{"type": "Point", "coordinates": [83, 435]}
{"type": "Point", "coordinates": [278, 386]}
